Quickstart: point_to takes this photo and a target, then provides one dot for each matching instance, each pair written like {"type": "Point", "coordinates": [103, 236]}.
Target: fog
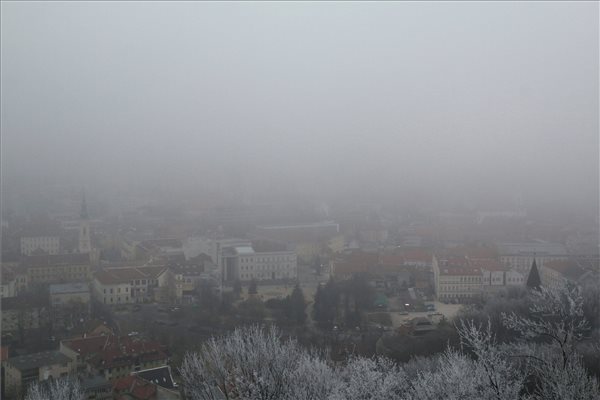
{"type": "Point", "coordinates": [406, 101]}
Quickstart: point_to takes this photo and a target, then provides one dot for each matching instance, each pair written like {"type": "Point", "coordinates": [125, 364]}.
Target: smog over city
{"type": "Point", "coordinates": [300, 200]}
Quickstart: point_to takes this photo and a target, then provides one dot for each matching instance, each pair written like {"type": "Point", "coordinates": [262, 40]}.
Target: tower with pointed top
{"type": "Point", "coordinates": [85, 244]}
{"type": "Point", "coordinates": [533, 279]}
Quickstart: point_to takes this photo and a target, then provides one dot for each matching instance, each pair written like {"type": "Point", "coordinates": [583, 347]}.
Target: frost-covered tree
{"type": "Point", "coordinates": [557, 318]}
{"type": "Point", "coordinates": [556, 315]}
{"type": "Point", "coordinates": [366, 378]}
{"type": "Point", "coordinates": [253, 364]}
{"type": "Point", "coordinates": [60, 389]}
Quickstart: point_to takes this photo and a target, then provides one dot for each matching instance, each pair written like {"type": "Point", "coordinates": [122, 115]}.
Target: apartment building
{"type": "Point", "coordinates": [59, 268]}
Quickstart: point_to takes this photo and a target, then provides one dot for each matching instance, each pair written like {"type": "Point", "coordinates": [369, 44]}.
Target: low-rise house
{"type": "Point", "coordinates": [22, 371]}
{"type": "Point", "coordinates": [127, 285]}
{"type": "Point", "coordinates": [114, 356]}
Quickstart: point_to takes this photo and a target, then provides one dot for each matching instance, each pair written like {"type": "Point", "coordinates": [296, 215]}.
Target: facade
{"type": "Point", "coordinates": [22, 371]}
{"type": "Point", "coordinates": [455, 279]}
{"type": "Point", "coordinates": [243, 263]}
{"type": "Point", "coordinates": [43, 244]}
{"type": "Point", "coordinates": [520, 256]}
{"type": "Point", "coordinates": [20, 315]}
{"type": "Point", "coordinates": [114, 357]}
{"type": "Point", "coordinates": [69, 302]}
{"type": "Point", "coordinates": [559, 272]}
{"type": "Point", "coordinates": [14, 281]}
{"type": "Point", "coordinates": [127, 285]}
{"type": "Point", "coordinates": [59, 268]}
{"type": "Point", "coordinates": [85, 243]}
{"type": "Point", "coordinates": [244, 260]}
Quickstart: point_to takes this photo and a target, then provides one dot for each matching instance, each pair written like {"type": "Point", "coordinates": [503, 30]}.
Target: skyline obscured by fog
{"type": "Point", "coordinates": [477, 102]}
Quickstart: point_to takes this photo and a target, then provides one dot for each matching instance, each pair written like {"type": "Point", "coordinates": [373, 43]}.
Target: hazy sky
{"type": "Point", "coordinates": [442, 99]}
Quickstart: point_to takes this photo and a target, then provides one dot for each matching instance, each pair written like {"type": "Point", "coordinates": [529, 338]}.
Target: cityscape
{"type": "Point", "coordinates": [313, 201]}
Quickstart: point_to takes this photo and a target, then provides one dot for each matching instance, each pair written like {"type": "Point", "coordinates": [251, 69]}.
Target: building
{"type": "Point", "coordinates": [244, 260]}
{"type": "Point", "coordinates": [519, 256]}
{"type": "Point", "coordinates": [128, 285]}
{"type": "Point", "coordinates": [114, 357]}
{"type": "Point", "coordinates": [22, 371]}
{"type": "Point", "coordinates": [148, 249]}
{"type": "Point", "coordinates": [69, 302]}
{"type": "Point", "coordinates": [40, 244]}
{"type": "Point", "coordinates": [496, 276]}
{"type": "Point", "coordinates": [559, 272]}
{"type": "Point", "coordinates": [63, 294]}
{"type": "Point", "coordinates": [308, 240]}
{"type": "Point", "coordinates": [59, 268]}
{"type": "Point", "coordinates": [185, 277]}
{"type": "Point", "coordinates": [13, 281]}
{"type": "Point", "coordinates": [21, 315]}
{"type": "Point", "coordinates": [455, 279]}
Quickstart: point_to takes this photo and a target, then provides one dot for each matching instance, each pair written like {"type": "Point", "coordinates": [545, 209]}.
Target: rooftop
{"type": "Point", "coordinates": [56, 260]}
{"type": "Point", "coordinates": [160, 376]}
{"type": "Point", "coordinates": [66, 288]}
{"type": "Point", "coordinates": [37, 360]}
{"type": "Point", "coordinates": [529, 248]}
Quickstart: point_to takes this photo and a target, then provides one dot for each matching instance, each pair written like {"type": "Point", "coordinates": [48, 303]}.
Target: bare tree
{"type": "Point", "coordinates": [556, 315]}
{"type": "Point", "coordinates": [59, 389]}
{"type": "Point", "coordinates": [366, 378]}
{"type": "Point", "coordinates": [253, 364]}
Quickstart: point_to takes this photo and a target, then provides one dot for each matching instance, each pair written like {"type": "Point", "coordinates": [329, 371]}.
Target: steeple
{"type": "Point", "coordinates": [84, 212]}
{"type": "Point", "coordinates": [85, 244]}
{"type": "Point", "coordinates": [533, 280]}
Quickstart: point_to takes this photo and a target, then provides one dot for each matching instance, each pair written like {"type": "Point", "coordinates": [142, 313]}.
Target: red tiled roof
{"type": "Point", "coordinates": [109, 351]}
{"type": "Point", "coordinates": [136, 387]}
{"type": "Point", "coordinates": [417, 255]}
{"type": "Point", "coordinates": [114, 276]}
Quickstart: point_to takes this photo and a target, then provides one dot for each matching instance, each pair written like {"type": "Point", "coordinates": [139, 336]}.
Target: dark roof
{"type": "Point", "coordinates": [37, 360]}
{"type": "Point", "coordinates": [160, 376]}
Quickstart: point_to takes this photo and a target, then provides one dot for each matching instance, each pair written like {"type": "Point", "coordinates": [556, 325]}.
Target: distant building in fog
{"type": "Point", "coordinates": [520, 255]}
{"type": "Point", "coordinates": [40, 243]}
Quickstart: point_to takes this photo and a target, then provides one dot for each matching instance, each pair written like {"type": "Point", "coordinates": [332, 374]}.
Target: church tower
{"type": "Point", "coordinates": [85, 244]}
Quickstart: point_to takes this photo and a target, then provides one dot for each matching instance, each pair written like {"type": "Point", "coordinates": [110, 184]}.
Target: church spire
{"type": "Point", "coordinates": [84, 212]}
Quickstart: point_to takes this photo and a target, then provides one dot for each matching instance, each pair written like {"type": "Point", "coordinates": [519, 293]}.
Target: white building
{"type": "Point", "coordinates": [49, 244]}
{"type": "Point", "coordinates": [241, 259]}
{"type": "Point", "coordinates": [244, 263]}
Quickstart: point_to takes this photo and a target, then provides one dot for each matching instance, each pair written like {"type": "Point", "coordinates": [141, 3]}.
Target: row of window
{"type": "Point", "coordinates": [263, 267]}
{"type": "Point", "coordinates": [244, 260]}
